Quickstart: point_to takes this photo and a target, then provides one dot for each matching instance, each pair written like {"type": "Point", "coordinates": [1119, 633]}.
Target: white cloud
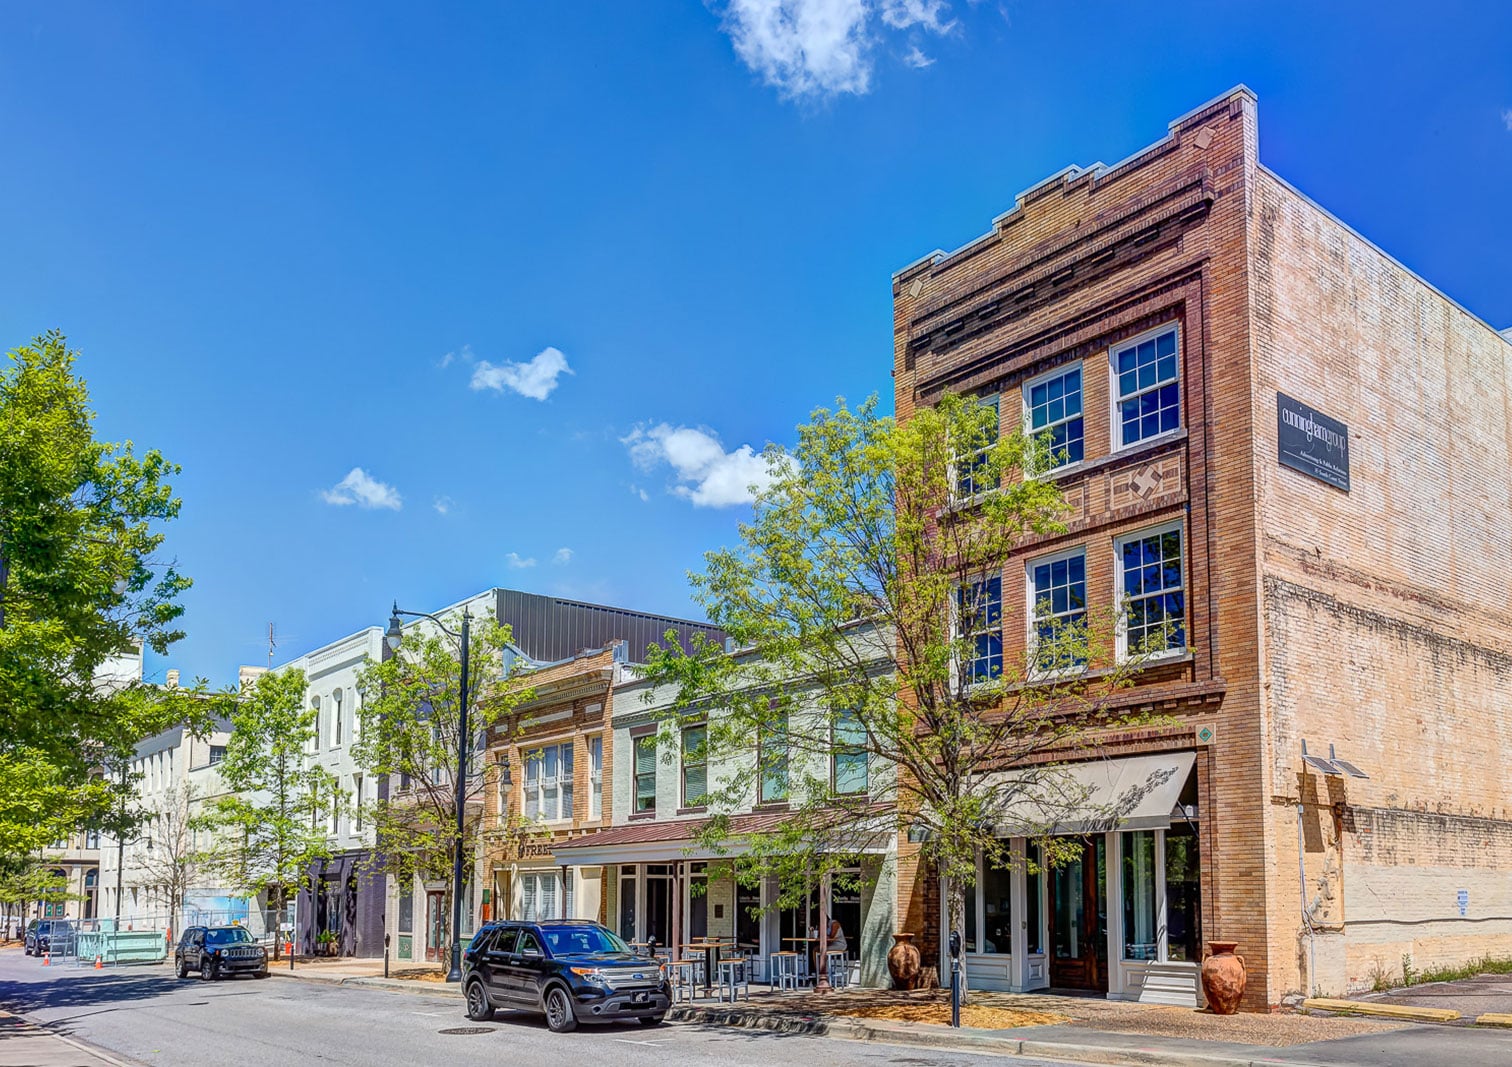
{"type": "Point", "coordinates": [819, 48]}
{"type": "Point", "coordinates": [636, 490]}
{"type": "Point", "coordinates": [917, 59]}
{"type": "Point", "coordinates": [514, 560]}
{"type": "Point", "coordinates": [442, 504]}
{"type": "Point", "coordinates": [535, 379]}
{"type": "Point", "coordinates": [1507, 119]}
{"type": "Point", "coordinates": [365, 491]}
{"type": "Point", "coordinates": [562, 557]}
{"type": "Point", "coordinates": [706, 474]}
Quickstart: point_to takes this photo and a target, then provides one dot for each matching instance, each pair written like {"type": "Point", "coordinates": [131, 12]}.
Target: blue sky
{"type": "Point", "coordinates": [540, 272]}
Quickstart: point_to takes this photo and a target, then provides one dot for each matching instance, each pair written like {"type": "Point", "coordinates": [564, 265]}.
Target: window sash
{"type": "Point", "coordinates": [1053, 412]}
{"type": "Point", "coordinates": [595, 777]}
{"type": "Point", "coordinates": [979, 622]}
{"type": "Point", "coordinates": [548, 783]}
{"type": "Point", "coordinates": [645, 773]}
{"type": "Point", "coordinates": [968, 466]}
{"type": "Point", "coordinates": [694, 766]}
{"type": "Point", "coordinates": [1147, 386]}
{"type": "Point", "coordinates": [772, 753]}
{"type": "Point", "coordinates": [1152, 583]}
{"type": "Point", "coordinates": [848, 757]}
{"type": "Point", "coordinates": [1057, 602]}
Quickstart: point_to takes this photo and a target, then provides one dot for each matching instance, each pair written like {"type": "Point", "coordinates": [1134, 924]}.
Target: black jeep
{"type": "Point", "coordinates": [571, 972]}
{"type": "Point", "coordinates": [219, 950]}
{"type": "Point", "coordinates": [49, 936]}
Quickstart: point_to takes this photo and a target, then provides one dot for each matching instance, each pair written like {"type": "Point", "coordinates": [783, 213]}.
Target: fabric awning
{"type": "Point", "coordinates": [1129, 793]}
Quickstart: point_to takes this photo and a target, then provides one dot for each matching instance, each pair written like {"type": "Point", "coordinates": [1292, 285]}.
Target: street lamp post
{"type": "Point", "coordinates": [393, 636]}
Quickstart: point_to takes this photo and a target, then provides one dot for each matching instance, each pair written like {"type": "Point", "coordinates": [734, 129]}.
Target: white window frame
{"type": "Point", "coordinates": [1178, 527]}
{"type": "Point", "coordinates": [1031, 595]}
{"type": "Point", "coordinates": [537, 807]}
{"type": "Point", "coordinates": [1029, 431]}
{"type": "Point", "coordinates": [636, 742]}
{"type": "Point", "coordinates": [357, 802]}
{"type": "Point", "coordinates": [1115, 399]}
{"type": "Point", "coordinates": [596, 776]}
{"type": "Point", "coordinates": [956, 496]}
{"type": "Point", "coordinates": [683, 763]}
{"type": "Point", "coordinates": [313, 745]}
{"type": "Point", "coordinates": [336, 724]}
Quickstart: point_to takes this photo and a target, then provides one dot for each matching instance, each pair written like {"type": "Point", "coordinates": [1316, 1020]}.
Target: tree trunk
{"type": "Point", "coordinates": [278, 914]}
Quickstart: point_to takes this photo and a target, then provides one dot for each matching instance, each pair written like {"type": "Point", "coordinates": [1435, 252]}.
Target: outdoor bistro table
{"type": "Point", "coordinates": [711, 952]}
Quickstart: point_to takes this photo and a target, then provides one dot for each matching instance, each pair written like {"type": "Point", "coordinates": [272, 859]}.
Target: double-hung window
{"type": "Point", "coordinates": [548, 783]}
{"type": "Point", "coordinates": [595, 777]}
{"type": "Point", "coordinates": [1058, 611]}
{"type": "Point", "coordinates": [1150, 580]}
{"type": "Point", "coordinates": [1147, 386]}
{"type": "Point", "coordinates": [336, 723]}
{"type": "Point", "coordinates": [645, 772]}
{"type": "Point", "coordinates": [1053, 413]}
{"type": "Point", "coordinates": [772, 751]}
{"type": "Point", "coordinates": [695, 766]}
{"type": "Point", "coordinates": [848, 770]}
{"type": "Point", "coordinates": [979, 626]}
{"type": "Point", "coordinates": [971, 476]}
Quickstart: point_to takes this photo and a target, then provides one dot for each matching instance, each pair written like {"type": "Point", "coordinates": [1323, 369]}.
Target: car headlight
{"type": "Point", "coordinates": [591, 974]}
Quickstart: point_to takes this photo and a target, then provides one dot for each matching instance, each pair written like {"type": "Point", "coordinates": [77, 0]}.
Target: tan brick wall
{"type": "Point", "coordinates": [1388, 629]}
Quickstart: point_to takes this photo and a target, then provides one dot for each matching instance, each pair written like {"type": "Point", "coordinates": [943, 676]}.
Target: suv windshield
{"type": "Point", "coordinates": [234, 936]}
{"type": "Point", "coordinates": [581, 940]}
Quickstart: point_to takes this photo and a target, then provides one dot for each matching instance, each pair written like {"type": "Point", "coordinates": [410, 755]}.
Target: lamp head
{"type": "Point", "coordinates": [394, 635]}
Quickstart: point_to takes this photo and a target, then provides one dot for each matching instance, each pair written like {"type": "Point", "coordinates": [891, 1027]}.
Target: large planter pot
{"type": "Point", "coordinates": [1223, 977]}
{"type": "Point", "coordinates": [904, 963]}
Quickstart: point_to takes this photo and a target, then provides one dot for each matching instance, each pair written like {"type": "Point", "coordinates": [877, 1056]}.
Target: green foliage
{"type": "Point", "coordinates": [845, 597]}
{"type": "Point", "coordinates": [270, 824]}
{"type": "Point", "coordinates": [410, 729]}
{"type": "Point", "coordinates": [79, 520]}
{"type": "Point", "coordinates": [25, 880]}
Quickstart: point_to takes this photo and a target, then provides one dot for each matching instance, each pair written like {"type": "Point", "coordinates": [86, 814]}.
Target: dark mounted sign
{"type": "Point", "coordinates": [1311, 442]}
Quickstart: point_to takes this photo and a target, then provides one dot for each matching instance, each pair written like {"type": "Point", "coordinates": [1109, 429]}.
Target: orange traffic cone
{"type": "Point", "coordinates": [98, 964]}
{"type": "Point", "coordinates": [47, 959]}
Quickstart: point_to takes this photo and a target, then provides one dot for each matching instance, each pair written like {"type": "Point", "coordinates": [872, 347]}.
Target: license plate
{"type": "Point", "coordinates": [642, 998]}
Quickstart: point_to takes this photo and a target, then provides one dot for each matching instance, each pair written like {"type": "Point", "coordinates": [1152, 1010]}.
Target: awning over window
{"type": "Point", "coordinates": [1131, 793]}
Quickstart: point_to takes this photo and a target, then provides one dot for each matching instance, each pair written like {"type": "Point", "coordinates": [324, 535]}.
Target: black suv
{"type": "Point", "coordinates": [569, 971]}
{"type": "Point", "coordinates": [217, 950]}
{"type": "Point", "coordinates": [49, 935]}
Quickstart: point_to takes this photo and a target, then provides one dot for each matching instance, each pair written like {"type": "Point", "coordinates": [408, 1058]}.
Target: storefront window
{"type": "Point", "coordinates": [997, 931]}
{"type": "Point", "coordinates": [1034, 883]}
{"type": "Point", "coordinates": [1183, 894]}
{"type": "Point", "coordinates": [1141, 942]}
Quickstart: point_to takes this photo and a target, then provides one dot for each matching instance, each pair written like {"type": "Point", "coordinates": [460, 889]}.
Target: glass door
{"type": "Point", "coordinates": [435, 926]}
{"type": "Point", "coordinates": [1078, 919]}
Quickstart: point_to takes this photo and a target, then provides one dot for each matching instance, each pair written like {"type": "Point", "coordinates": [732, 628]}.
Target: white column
{"type": "Point", "coordinates": [1018, 920]}
{"type": "Point", "coordinates": [1114, 851]}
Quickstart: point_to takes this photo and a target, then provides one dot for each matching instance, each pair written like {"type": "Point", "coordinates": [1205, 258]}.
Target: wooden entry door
{"type": "Point", "coordinates": [1079, 919]}
{"type": "Point", "coordinates": [435, 926]}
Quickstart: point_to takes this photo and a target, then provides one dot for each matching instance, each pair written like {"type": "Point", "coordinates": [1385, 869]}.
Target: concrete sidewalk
{"type": "Point", "coordinates": [368, 974]}
{"type": "Point", "coordinates": [25, 1044]}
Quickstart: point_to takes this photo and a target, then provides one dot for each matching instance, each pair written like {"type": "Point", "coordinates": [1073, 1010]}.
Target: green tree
{"type": "Point", "coordinates": [270, 823]}
{"type": "Point", "coordinates": [409, 733]}
{"type": "Point", "coordinates": [172, 866]}
{"type": "Point", "coordinates": [24, 880]}
{"type": "Point", "coordinates": [871, 677]}
{"type": "Point", "coordinates": [80, 524]}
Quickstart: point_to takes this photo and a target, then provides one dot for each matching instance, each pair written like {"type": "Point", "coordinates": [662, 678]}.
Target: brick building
{"type": "Point", "coordinates": [1289, 456]}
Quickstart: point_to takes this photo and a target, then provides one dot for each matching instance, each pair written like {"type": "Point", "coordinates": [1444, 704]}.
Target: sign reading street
{"type": "Point", "coordinates": [1311, 442]}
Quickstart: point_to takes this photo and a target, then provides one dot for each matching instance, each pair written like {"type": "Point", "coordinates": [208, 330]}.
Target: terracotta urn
{"type": "Point", "coordinates": [1223, 977]}
{"type": "Point", "coordinates": [904, 962]}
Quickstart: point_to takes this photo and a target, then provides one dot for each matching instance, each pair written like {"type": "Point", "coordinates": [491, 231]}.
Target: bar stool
{"type": "Point", "coordinates": [837, 967]}
{"type": "Point", "coordinates": [785, 970]}
{"type": "Point", "coordinates": [734, 975]}
{"type": "Point", "coordinates": [687, 976]}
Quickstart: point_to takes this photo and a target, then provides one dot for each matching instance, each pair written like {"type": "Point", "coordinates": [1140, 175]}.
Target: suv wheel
{"type": "Point", "coordinates": [478, 1008]}
{"type": "Point", "coordinates": [207, 969]}
{"type": "Point", "coordinates": [559, 1014]}
{"type": "Point", "coordinates": [179, 969]}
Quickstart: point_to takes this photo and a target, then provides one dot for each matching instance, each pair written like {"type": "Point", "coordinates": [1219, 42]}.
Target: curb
{"type": "Point", "coordinates": [1385, 1011]}
{"type": "Point", "coordinates": [846, 1030]}
{"type": "Point", "coordinates": [1493, 1018]}
{"type": "Point", "coordinates": [396, 985]}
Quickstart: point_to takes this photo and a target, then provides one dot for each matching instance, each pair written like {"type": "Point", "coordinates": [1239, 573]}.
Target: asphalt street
{"type": "Point", "coordinates": [145, 1014]}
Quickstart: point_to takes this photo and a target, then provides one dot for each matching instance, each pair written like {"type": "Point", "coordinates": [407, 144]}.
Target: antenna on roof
{"type": "Point", "coordinates": [272, 644]}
